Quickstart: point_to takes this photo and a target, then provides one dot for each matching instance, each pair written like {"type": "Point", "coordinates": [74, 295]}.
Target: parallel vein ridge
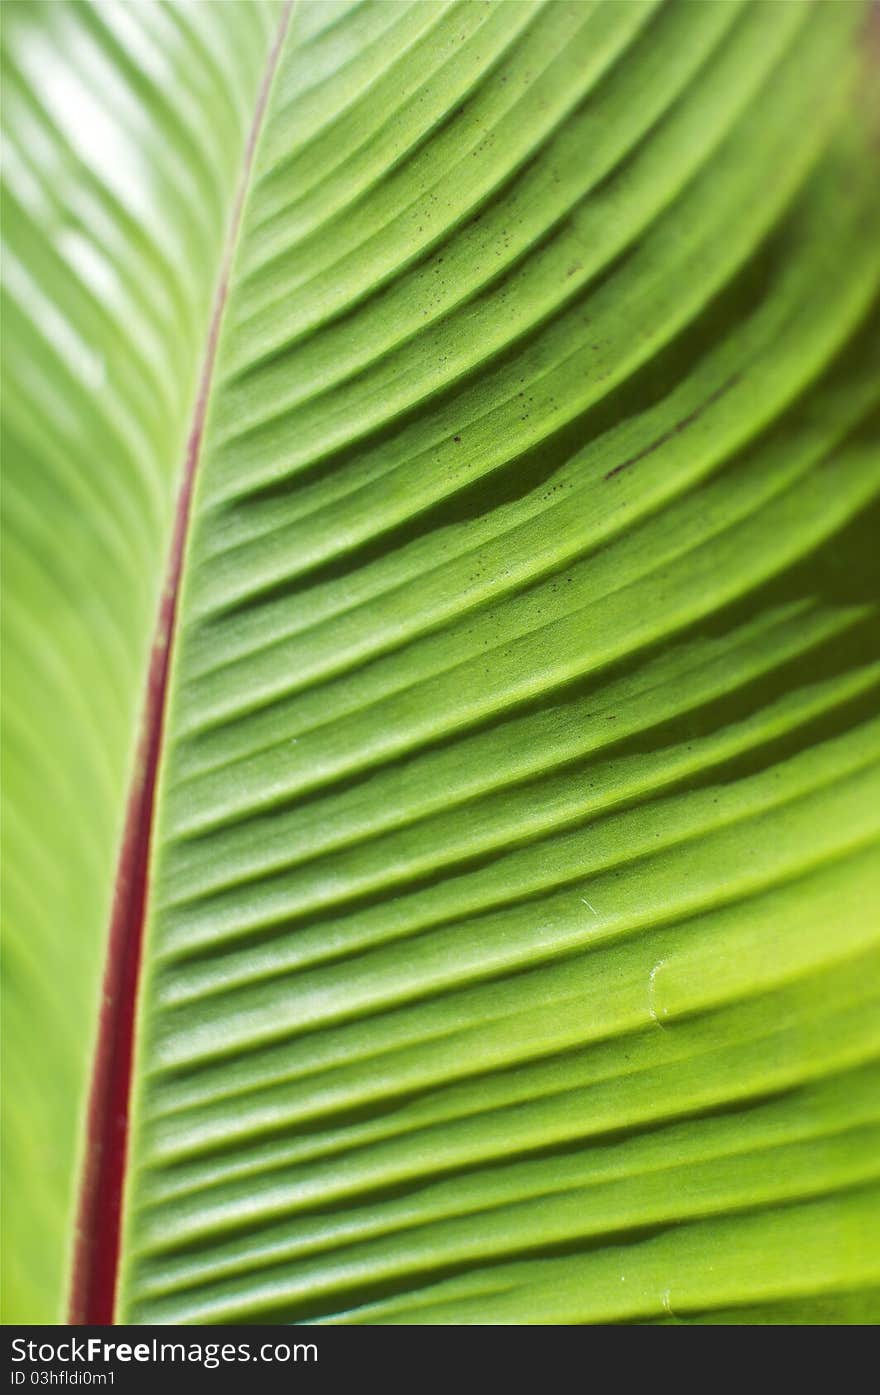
{"type": "Point", "coordinates": [514, 939]}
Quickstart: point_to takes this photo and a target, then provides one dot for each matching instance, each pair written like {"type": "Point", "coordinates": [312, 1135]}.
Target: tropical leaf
{"type": "Point", "coordinates": [491, 867]}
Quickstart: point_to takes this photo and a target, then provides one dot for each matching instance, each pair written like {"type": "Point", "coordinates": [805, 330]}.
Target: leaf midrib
{"type": "Point", "coordinates": [97, 1249]}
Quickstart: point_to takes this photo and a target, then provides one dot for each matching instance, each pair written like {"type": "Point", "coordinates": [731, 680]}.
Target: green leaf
{"type": "Point", "coordinates": [511, 938]}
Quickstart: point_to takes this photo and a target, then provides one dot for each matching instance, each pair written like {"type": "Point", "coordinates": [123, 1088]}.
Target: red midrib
{"type": "Point", "coordinates": [96, 1254]}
